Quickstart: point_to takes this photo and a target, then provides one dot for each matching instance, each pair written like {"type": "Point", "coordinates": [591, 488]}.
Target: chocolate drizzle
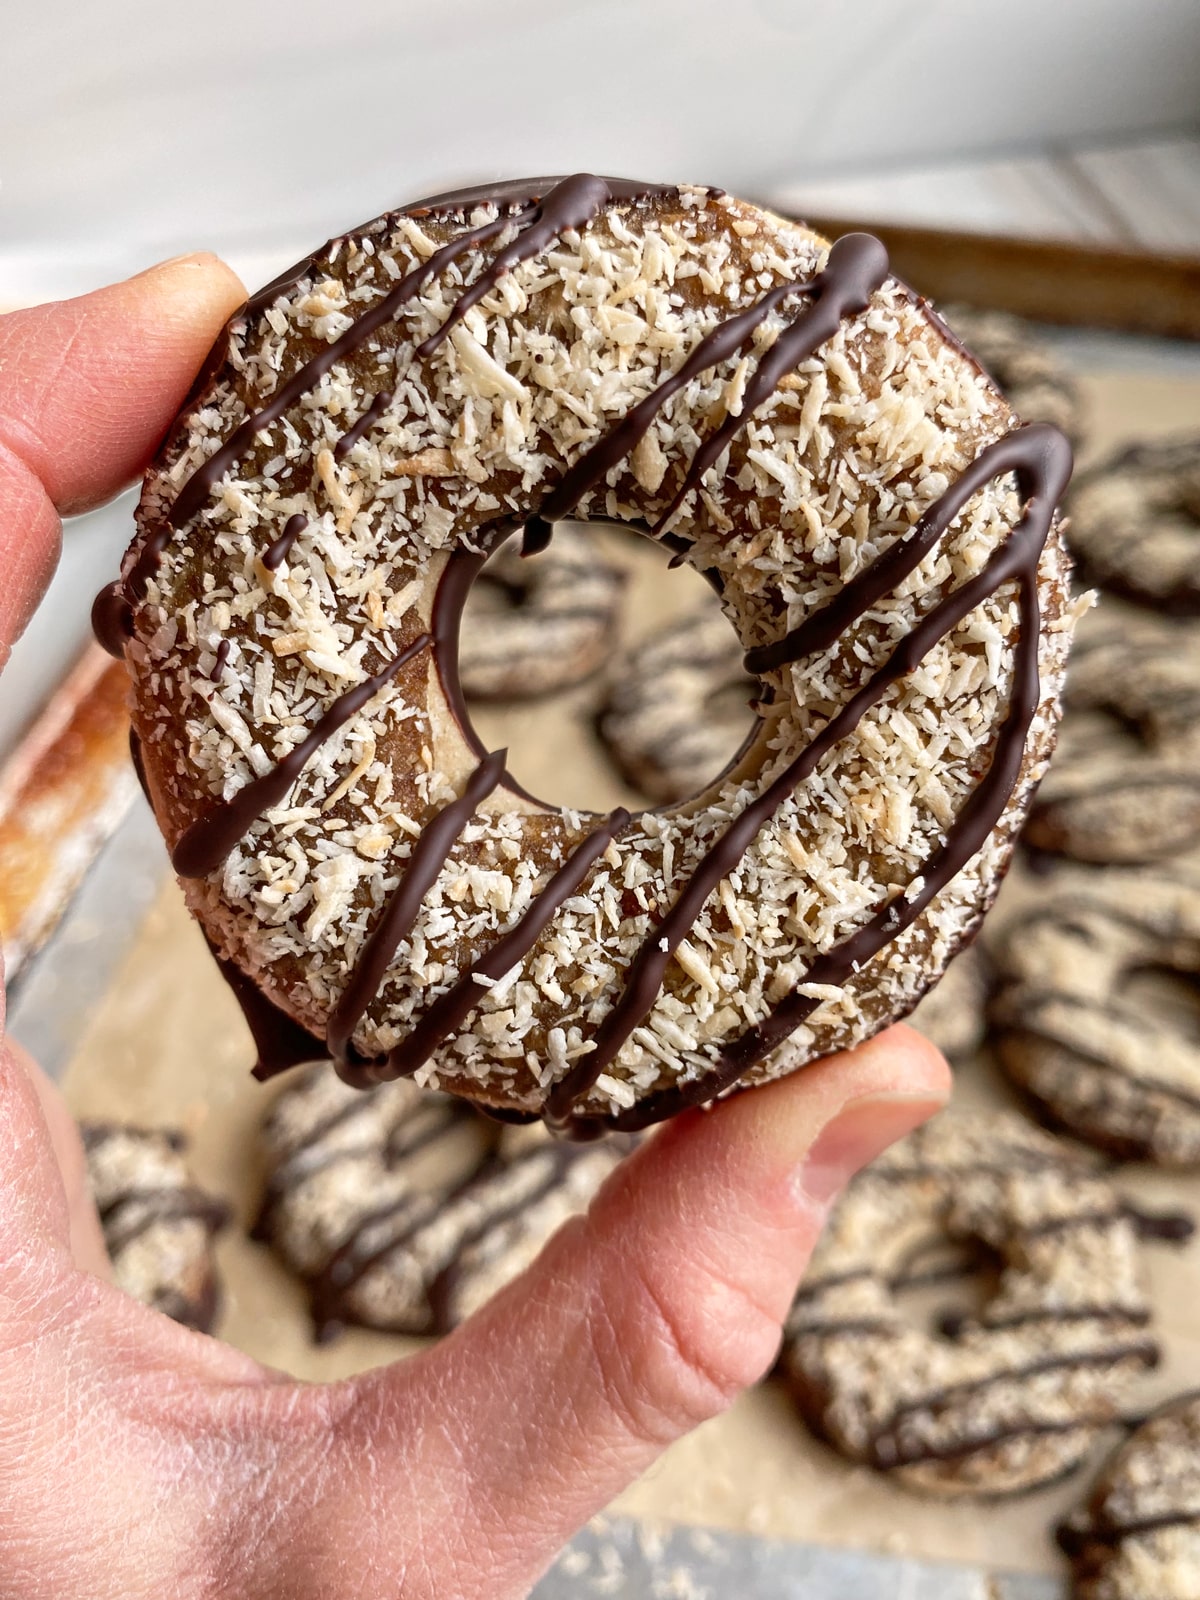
{"type": "Point", "coordinates": [571, 203]}
{"type": "Point", "coordinates": [448, 1013]}
{"type": "Point", "coordinates": [364, 424]}
{"type": "Point", "coordinates": [112, 620]}
{"type": "Point", "coordinates": [205, 843]}
{"type": "Point", "coordinates": [429, 856]}
{"type": "Point", "coordinates": [198, 487]}
{"type": "Point", "coordinates": [280, 1042]}
{"type": "Point", "coordinates": [1046, 468]}
{"type": "Point", "coordinates": [278, 551]}
{"type": "Point", "coordinates": [150, 1206]}
{"type": "Point", "coordinates": [1075, 1540]}
{"type": "Point", "coordinates": [855, 268]}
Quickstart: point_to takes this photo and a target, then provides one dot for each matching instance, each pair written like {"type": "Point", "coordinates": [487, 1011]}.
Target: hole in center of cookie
{"type": "Point", "coordinates": [946, 1284]}
{"type": "Point", "coordinates": [1170, 998]}
{"type": "Point", "coordinates": [611, 679]}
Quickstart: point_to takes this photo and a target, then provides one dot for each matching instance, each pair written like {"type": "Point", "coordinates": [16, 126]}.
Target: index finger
{"type": "Point", "coordinates": [87, 389]}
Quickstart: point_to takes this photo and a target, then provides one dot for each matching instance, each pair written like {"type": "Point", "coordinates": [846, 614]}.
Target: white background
{"type": "Point", "coordinates": [134, 129]}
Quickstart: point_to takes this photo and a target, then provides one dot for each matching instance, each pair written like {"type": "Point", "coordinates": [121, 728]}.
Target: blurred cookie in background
{"type": "Point", "coordinates": [540, 623]}
{"type": "Point", "coordinates": [158, 1225]}
{"type": "Point", "coordinates": [404, 1210]}
{"type": "Point", "coordinates": [1013, 1391]}
{"type": "Point", "coordinates": [1038, 385]}
{"type": "Point", "coordinates": [1138, 1537]}
{"type": "Point", "coordinates": [678, 707]}
{"type": "Point", "coordinates": [1096, 1014]}
{"type": "Point", "coordinates": [1124, 785]}
{"type": "Point", "coordinates": [953, 1014]}
{"type": "Point", "coordinates": [1134, 524]}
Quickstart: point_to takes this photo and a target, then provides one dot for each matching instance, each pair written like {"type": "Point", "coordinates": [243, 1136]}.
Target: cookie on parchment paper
{"type": "Point", "coordinates": [404, 1211]}
{"type": "Point", "coordinates": [158, 1225]}
{"type": "Point", "coordinates": [1096, 1008]}
{"type": "Point", "coordinates": [678, 707]}
{"type": "Point", "coordinates": [1014, 1394]}
{"type": "Point", "coordinates": [541, 623]}
{"type": "Point", "coordinates": [1138, 1537]}
{"type": "Point", "coordinates": [1124, 786]}
{"type": "Point", "coordinates": [1135, 524]}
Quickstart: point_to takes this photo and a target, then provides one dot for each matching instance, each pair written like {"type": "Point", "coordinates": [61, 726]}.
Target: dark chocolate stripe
{"type": "Point", "coordinates": [346, 1268]}
{"type": "Point", "coordinates": [429, 1122]}
{"type": "Point", "coordinates": [954, 1325]}
{"type": "Point", "coordinates": [1074, 1540]}
{"type": "Point", "coordinates": [901, 559]}
{"type": "Point", "coordinates": [572, 203]}
{"type": "Point", "coordinates": [448, 1013]}
{"type": "Point", "coordinates": [725, 340]}
{"type": "Point", "coordinates": [429, 856]}
{"type": "Point", "coordinates": [161, 1203]}
{"type": "Point", "coordinates": [426, 1123]}
{"type": "Point", "coordinates": [889, 1454]}
{"type": "Point", "coordinates": [349, 1264]}
{"type": "Point", "coordinates": [1143, 1349]}
{"type": "Point", "coordinates": [280, 549]}
{"type": "Point", "coordinates": [441, 1290]}
{"type": "Point", "coordinates": [197, 488]}
{"type": "Point", "coordinates": [112, 620]}
{"type": "Point", "coordinates": [280, 1042]}
{"type": "Point", "coordinates": [205, 843]}
{"type": "Point", "coordinates": [1029, 1021]}
{"type": "Point", "coordinates": [367, 421]}
{"type": "Point", "coordinates": [856, 267]}
{"type": "Point", "coordinates": [222, 660]}
{"type": "Point", "coordinates": [1049, 458]}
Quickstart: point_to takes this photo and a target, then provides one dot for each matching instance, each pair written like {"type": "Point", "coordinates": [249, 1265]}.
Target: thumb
{"type": "Point", "coordinates": [637, 1323]}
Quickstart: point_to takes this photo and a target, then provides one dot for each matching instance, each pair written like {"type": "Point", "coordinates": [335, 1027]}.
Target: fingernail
{"type": "Point", "coordinates": [858, 1133]}
{"type": "Point", "coordinates": [192, 256]}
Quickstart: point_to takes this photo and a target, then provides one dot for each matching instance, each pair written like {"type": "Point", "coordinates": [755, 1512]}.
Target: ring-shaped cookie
{"type": "Point", "coordinates": [1135, 525]}
{"type": "Point", "coordinates": [1125, 784]}
{"type": "Point", "coordinates": [1114, 1064]}
{"type": "Point", "coordinates": [539, 626]}
{"type": "Point", "coordinates": [1013, 1396]}
{"type": "Point", "coordinates": [798, 427]}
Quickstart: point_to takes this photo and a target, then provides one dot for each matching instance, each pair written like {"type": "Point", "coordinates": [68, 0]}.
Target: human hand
{"type": "Point", "coordinates": [140, 1459]}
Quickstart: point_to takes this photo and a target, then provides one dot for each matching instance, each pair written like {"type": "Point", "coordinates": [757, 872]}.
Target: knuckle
{"type": "Point", "coordinates": [670, 1361]}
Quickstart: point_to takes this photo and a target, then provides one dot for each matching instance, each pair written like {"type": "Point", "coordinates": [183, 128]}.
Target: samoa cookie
{"type": "Point", "coordinates": [784, 415]}
{"type": "Point", "coordinates": [1007, 1398]}
{"type": "Point", "coordinates": [677, 711]}
{"type": "Point", "coordinates": [403, 1211]}
{"type": "Point", "coordinates": [158, 1225]}
{"type": "Point", "coordinates": [1124, 786]}
{"type": "Point", "coordinates": [1135, 524]}
{"type": "Point", "coordinates": [538, 624]}
{"type": "Point", "coordinates": [1138, 1537]}
{"type": "Point", "coordinates": [1096, 1010]}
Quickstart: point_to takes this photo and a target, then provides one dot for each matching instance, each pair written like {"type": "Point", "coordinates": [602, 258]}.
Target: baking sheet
{"type": "Point", "coordinates": [166, 1044]}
